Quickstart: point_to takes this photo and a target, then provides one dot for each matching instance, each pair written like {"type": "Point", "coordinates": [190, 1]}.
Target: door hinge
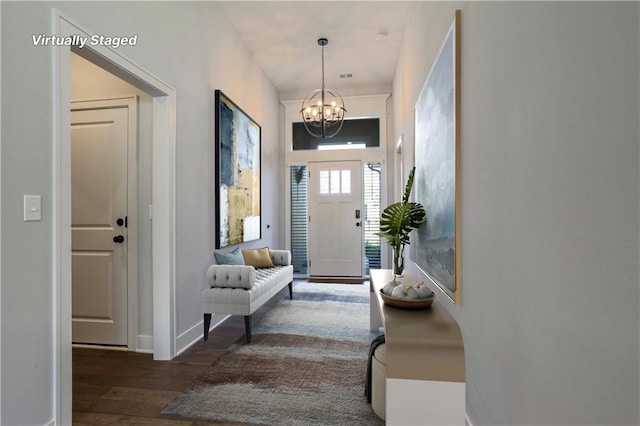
{"type": "Point", "coordinates": [309, 264]}
{"type": "Point", "coordinates": [309, 218]}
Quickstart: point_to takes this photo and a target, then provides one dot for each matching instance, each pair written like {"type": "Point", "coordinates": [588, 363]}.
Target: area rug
{"type": "Point", "coordinates": [305, 365]}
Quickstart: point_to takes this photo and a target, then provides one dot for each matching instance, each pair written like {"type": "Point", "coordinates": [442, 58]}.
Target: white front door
{"type": "Point", "coordinates": [335, 219]}
{"type": "Point", "coordinates": [99, 139]}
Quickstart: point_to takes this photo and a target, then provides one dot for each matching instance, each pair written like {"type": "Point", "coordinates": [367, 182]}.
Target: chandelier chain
{"type": "Point", "coordinates": [322, 67]}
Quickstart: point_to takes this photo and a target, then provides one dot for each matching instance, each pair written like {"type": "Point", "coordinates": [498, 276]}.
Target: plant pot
{"type": "Point", "coordinates": [398, 262]}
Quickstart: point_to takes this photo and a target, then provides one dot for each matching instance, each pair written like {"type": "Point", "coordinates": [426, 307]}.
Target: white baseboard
{"type": "Point", "coordinates": [144, 344]}
{"type": "Point", "coordinates": [195, 333]}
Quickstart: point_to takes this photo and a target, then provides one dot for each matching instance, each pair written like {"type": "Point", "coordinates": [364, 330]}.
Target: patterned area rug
{"type": "Point", "coordinates": [305, 365]}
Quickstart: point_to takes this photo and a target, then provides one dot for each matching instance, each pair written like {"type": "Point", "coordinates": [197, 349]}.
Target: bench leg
{"type": "Point", "coordinates": [247, 327]}
{"type": "Point", "coordinates": [207, 325]}
{"type": "Point", "coordinates": [291, 290]}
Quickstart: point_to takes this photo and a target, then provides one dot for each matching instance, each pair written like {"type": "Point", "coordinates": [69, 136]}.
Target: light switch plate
{"type": "Point", "coordinates": [32, 208]}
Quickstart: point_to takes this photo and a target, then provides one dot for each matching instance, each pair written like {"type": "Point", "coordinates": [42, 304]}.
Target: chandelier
{"type": "Point", "coordinates": [323, 110]}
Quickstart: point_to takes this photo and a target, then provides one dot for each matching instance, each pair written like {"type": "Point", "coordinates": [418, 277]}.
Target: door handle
{"type": "Point", "coordinates": [118, 239]}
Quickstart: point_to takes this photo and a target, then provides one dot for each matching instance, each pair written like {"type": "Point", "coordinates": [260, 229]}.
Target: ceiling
{"type": "Point", "coordinates": [364, 40]}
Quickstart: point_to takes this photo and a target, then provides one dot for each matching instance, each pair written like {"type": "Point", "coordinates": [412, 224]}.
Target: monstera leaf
{"type": "Point", "coordinates": [398, 220]}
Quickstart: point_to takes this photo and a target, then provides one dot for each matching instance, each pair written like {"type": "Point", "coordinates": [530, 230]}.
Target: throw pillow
{"type": "Point", "coordinates": [258, 258]}
{"type": "Point", "coordinates": [231, 258]}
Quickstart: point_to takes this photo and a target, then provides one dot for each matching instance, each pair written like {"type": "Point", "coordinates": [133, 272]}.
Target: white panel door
{"type": "Point", "coordinates": [335, 219]}
{"type": "Point", "coordinates": [98, 224]}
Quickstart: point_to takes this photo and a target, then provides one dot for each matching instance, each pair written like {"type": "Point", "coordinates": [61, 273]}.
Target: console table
{"type": "Point", "coordinates": [425, 360]}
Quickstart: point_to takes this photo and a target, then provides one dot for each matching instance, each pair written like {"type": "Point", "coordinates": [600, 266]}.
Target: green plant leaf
{"type": "Point", "coordinates": [408, 186]}
{"type": "Point", "coordinates": [399, 219]}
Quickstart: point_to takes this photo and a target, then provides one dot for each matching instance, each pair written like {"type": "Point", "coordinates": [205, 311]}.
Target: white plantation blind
{"type": "Point", "coordinates": [372, 249]}
{"type": "Point", "coordinates": [299, 219]}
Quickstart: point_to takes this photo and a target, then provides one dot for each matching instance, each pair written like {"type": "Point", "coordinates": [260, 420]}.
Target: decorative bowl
{"type": "Point", "coordinates": [403, 303]}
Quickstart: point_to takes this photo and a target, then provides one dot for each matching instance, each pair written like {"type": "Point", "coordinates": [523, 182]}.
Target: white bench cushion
{"type": "Point", "coordinates": [243, 301]}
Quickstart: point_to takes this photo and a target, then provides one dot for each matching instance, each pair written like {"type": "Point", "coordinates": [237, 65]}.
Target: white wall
{"type": "Point", "coordinates": [550, 204]}
{"type": "Point", "coordinates": [191, 47]}
{"type": "Point", "coordinates": [27, 312]}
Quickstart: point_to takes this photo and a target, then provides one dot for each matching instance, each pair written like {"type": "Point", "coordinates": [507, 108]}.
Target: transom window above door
{"type": "Point", "coordinates": [356, 133]}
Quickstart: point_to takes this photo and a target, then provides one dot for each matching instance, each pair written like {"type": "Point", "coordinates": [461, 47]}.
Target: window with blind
{"type": "Point", "coordinates": [299, 220]}
{"type": "Point", "coordinates": [372, 183]}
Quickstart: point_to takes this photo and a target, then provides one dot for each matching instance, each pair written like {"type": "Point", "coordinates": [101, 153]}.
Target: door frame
{"type": "Point", "coordinates": [163, 195]}
{"type": "Point", "coordinates": [364, 158]}
{"type": "Point", "coordinates": [131, 103]}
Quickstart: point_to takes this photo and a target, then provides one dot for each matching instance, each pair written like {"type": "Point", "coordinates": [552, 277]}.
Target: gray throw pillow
{"type": "Point", "coordinates": [231, 258]}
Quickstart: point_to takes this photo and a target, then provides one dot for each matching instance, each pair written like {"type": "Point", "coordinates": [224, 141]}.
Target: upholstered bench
{"type": "Point", "coordinates": [237, 289]}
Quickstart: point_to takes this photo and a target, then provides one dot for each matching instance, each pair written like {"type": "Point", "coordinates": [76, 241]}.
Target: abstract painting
{"type": "Point", "coordinates": [238, 140]}
{"type": "Point", "coordinates": [436, 249]}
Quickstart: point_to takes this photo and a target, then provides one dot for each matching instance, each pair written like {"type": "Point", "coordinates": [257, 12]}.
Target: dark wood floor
{"type": "Point", "coordinates": [128, 388]}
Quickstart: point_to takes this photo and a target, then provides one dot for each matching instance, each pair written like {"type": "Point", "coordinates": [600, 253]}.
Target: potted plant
{"type": "Point", "coordinates": [397, 221]}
